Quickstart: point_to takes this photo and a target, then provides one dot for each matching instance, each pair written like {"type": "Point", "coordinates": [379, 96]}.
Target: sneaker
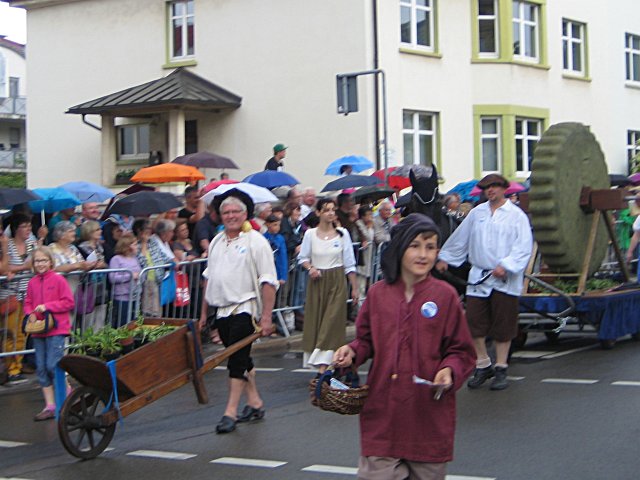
{"type": "Point", "coordinates": [481, 375]}
{"type": "Point", "coordinates": [500, 381]}
{"type": "Point", "coordinates": [17, 379]}
{"type": "Point", "coordinates": [45, 414]}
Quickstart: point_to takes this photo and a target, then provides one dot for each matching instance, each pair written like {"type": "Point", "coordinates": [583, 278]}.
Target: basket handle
{"type": "Point", "coordinates": [324, 378]}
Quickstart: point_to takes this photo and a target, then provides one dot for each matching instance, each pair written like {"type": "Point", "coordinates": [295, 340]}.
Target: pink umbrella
{"type": "Point", "coordinates": [216, 184]}
{"type": "Point", "coordinates": [514, 187]}
{"type": "Point", "coordinates": [635, 178]}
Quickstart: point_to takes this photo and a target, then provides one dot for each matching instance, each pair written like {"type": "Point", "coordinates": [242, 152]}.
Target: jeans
{"type": "Point", "coordinates": [49, 351]}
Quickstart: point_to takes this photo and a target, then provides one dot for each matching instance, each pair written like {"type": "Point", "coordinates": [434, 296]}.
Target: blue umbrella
{"type": "Point", "coordinates": [87, 191]}
{"type": "Point", "coordinates": [351, 181]}
{"type": "Point", "coordinates": [53, 200]}
{"type": "Point", "coordinates": [357, 162]}
{"type": "Point", "coordinates": [271, 179]}
{"type": "Point", "coordinates": [464, 190]}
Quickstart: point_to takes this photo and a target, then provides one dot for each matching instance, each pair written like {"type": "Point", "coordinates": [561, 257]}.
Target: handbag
{"type": "Point", "coordinates": [168, 287]}
{"type": "Point", "coordinates": [9, 305]}
{"type": "Point", "coordinates": [32, 324]}
{"type": "Point", "coordinates": [183, 295]}
{"type": "Point", "coordinates": [345, 399]}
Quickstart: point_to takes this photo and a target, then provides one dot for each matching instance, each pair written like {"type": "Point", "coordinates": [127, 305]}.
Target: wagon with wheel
{"type": "Point", "coordinates": [570, 204]}
{"type": "Point", "coordinates": [110, 391]}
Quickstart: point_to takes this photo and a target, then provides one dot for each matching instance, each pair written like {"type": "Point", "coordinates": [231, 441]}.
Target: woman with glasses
{"type": "Point", "coordinates": [327, 254]}
{"type": "Point", "coordinates": [94, 285]}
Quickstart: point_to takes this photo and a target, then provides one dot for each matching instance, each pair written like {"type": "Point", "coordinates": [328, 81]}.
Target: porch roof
{"type": "Point", "coordinates": [181, 88]}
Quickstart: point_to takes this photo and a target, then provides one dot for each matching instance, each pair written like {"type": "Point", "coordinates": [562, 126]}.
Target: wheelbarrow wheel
{"type": "Point", "coordinates": [80, 425]}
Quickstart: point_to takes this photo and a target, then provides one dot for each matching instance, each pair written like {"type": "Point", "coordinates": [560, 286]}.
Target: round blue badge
{"type": "Point", "coordinates": [429, 309]}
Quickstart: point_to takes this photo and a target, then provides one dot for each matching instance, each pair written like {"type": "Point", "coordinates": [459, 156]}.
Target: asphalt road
{"type": "Point", "coordinates": [565, 416]}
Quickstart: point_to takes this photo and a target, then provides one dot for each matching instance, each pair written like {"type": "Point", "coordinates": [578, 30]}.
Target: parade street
{"type": "Point", "coordinates": [571, 413]}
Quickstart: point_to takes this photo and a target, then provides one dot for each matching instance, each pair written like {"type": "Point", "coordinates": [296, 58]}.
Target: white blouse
{"type": "Point", "coordinates": [326, 254]}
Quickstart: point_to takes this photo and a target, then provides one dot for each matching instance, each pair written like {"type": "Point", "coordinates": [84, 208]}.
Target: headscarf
{"type": "Point", "coordinates": [402, 235]}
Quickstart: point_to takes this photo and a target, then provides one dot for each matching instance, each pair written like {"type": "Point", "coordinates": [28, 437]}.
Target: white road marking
{"type": "Point", "coordinates": [626, 383]}
{"type": "Point", "coordinates": [248, 462]}
{"type": "Point", "coordinates": [331, 469]}
{"type": "Point", "coordinates": [568, 352]}
{"type": "Point", "coordinates": [574, 381]}
{"type": "Point", "coordinates": [160, 454]}
{"type": "Point", "coordinates": [12, 478]}
{"type": "Point", "coordinates": [514, 379]}
{"type": "Point", "coordinates": [303, 370]}
{"type": "Point", "coordinates": [268, 369]}
{"type": "Point", "coordinates": [9, 444]}
{"type": "Point", "coordinates": [529, 354]}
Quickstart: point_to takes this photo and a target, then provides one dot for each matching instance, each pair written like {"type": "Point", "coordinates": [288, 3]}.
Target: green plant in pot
{"type": "Point", "coordinates": [109, 342]}
{"type": "Point", "coordinates": [126, 334]}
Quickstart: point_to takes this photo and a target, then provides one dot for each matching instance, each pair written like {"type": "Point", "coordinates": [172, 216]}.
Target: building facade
{"type": "Point", "coordinates": [470, 84]}
{"type": "Point", "coordinates": [13, 107]}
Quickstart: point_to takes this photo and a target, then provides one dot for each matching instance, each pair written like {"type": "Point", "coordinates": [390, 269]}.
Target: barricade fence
{"type": "Point", "coordinates": [115, 297]}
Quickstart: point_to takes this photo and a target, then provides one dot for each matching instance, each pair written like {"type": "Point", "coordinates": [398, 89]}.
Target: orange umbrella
{"type": "Point", "coordinates": [167, 172]}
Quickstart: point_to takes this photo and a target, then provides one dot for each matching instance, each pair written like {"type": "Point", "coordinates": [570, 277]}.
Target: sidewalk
{"type": "Point", "coordinates": [263, 346]}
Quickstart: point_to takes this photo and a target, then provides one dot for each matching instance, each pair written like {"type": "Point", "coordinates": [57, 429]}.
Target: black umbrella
{"type": "Point", "coordinates": [619, 180]}
{"type": "Point", "coordinates": [371, 194]}
{"type": "Point", "coordinates": [13, 196]}
{"type": "Point", "coordinates": [206, 160]}
{"type": "Point", "coordinates": [141, 204]}
{"type": "Point", "coordinates": [136, 187]}
{"type": "Point", "coordinates": [351, 181]}
{"type": "Point", "coordinates": [404, 200]}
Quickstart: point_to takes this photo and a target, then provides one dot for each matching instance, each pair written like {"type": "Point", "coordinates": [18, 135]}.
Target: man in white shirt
{"type": "Point", "coordinates": [496, 237]}
{"type": "Point", "coordinates": [308, 201]}
{"type": "Point", "coordinates": [382, 223]}
{"type": "Point", "coordinates": [242, 285]}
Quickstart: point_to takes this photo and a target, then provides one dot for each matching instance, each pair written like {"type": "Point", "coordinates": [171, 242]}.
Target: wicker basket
{"type": "Point", "coordinates": [344, 402]}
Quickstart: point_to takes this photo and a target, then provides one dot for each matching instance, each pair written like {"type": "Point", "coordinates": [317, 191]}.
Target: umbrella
{"type": "Point", "coordinates": [257, 194]}
{"type": "Point", "coordinates": [404, 200]}
{"type": "Point", "coordinates": [357, 162]}
{"type": "Point", "coordinates": [13, 196]}
{"type": "Point", "coordinates": [271, 179]}
{"type": "Point", "coordinates": [619, 180]}
{"type": "Point", "coordinates": [217, 183]}
{"type": "Point", "coordinates": [167, 172]}
{"type": "Point", "coordinates": [514, 187]}
{"type": "Point", "coordinates": [635, 178]}
{"type": "Point", "coordinates": [87, 191]}
{"type": "Point", "coordinates": [136, 187]}
{"type": "Point", "coordinates": [143, 203]}
{"type": "Point", "coordinates": [53, 200]}
{"type": "Point", "coordinates": [395, 181]}
{"type": "Point", "coordinates": [205, 160]}
{"type": "Point", "coordinates": [350, 181]}
{"type": "Point", "coordinates": [464, 190]}
{"type": "Point", "coordinates": [371, 194]}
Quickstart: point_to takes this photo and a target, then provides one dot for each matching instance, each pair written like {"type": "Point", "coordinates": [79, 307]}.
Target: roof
{"type": "Point", "coordinates": [13, 46]}
{"type": "Point", "coordinates": [181, 88]}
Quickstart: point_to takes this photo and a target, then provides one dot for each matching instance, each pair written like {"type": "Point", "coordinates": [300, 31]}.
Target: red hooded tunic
{"type": "Point", "coordinates": [401, 419]}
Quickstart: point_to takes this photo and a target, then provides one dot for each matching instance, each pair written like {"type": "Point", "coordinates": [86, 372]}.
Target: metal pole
{"type": "Point", "coordinates": [384, 128]}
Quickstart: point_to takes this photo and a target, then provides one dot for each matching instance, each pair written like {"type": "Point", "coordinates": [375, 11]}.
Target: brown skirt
{"type": "Point", "coordinates": [325, 311]}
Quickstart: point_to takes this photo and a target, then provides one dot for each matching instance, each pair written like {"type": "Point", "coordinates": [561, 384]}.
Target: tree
{"type": "Point", "coordinates": [13, 179]}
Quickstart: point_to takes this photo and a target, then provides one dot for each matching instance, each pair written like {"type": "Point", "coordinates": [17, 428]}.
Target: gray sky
{"type": "Point", "coordinates": [13, 23]}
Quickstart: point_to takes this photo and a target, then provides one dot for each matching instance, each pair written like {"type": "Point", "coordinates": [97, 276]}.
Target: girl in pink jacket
{"type": "Point", "coordinates": [48, 291]}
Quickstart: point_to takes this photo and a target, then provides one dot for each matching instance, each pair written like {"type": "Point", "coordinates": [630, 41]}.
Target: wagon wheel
{"type": "Point", "coordinates": [567, 158]}
{"type": "Point", "coordinates": [80, 424]}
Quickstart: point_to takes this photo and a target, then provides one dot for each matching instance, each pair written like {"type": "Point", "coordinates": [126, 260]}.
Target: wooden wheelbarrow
{"type": "Point", "coordinates": [88, 417]}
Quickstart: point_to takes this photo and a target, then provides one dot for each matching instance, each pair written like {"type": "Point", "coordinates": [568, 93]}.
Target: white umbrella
{"type": "Point", "coordinates": [257, 194]}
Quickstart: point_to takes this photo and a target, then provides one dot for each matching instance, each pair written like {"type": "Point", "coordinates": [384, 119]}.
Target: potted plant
{"type": "Point", "coordinates": [109, 343]}
{"type": "Point", "coordinates": [125, 336]}
{"type": "Point", "coordinates": [124, 176]}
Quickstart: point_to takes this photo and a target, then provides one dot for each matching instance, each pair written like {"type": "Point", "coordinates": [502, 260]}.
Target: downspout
{"type": "Point", "coordinates": [87, 122]}
{"type": "Point", "coordinates": [376, 88]}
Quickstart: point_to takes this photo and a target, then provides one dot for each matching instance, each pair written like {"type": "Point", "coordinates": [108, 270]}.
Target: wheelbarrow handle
{"type": "Point", "coordinates": [217, 358]}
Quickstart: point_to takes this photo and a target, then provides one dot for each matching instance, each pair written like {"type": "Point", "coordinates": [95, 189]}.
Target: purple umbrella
{"type": "Point", "coordinates": [635, 178]}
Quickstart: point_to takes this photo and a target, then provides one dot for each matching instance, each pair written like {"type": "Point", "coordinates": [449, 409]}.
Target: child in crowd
{"type": "Point", "coordinates": [48, 292]}
{"type": "Point", "coordinates": [278, 246]}
{"type": "Point", "coordinates": [414, 327]}
{"type": "Point", "coordinates": [126, 258]}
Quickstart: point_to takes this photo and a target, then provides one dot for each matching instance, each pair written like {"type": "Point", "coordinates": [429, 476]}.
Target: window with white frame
{"type": "Point", "coordinates": [490, 144]}
{"type": "Point", "coordinates": [133, 142]}
{"type": "Point", "coordinates": [633, 146]}
{"type": "Point", "coordinates": [181, 26]}
{"type": "Point", "coordinates": [417, 23]}
{"type": "Point", "coordinates": [419, 137]}
{"type": "Point", "coordinates": [528, 133]}
{"type": "Point", "coordinates": [632, 56]}
{"type": "Point", "coordinates": [488, 28]}
{"type": "Point", "coordinates": [526, 30]}
{"type": "Point", "coordinates": [573, 47]}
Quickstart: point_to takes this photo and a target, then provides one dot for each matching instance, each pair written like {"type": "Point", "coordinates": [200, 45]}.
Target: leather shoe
{"type": "Point", "coordinates": [226, 425]}
{"type": "Point", "coordinates": [249, 414]}
{"type": "Point", "coordinates": [45, 414]}
{"type": "Point", "coordinates": [500, 381]}
{"type": "Point", "coordinates": [480, 376]}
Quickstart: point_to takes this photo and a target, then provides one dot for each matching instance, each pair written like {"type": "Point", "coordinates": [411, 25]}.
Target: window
{"type": "Point", "coordinates": [633, 148]}
{"type": "Point", "coordinates": [14, 138]}
{"type": "Point", "coordinates": [573, 47]}
{"type": "Point", "coordinates": [490, 140]}
{"type": "Point", "coordinates": [181, 25]}
{"type": "Point", "coordinates": [419, 137]}
{"type": "Point", "coordinates": [525, 31]}
{"type": "Point", "coordinates": [488, 27]}
{"type": "Point", "coordinates": [528, 133]}
{"type": "Point", "coordinates": [133, 142]}
{"type": "Point", "coordinates": [14, 87]}
{"type": "Point", "coordinates": [417, 23]}
{"type": "Point", "coordinates": [632, 56]}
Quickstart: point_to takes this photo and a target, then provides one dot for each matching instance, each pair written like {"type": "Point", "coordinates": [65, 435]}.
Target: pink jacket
{"type": "Point", "coordinates": [51, 290]}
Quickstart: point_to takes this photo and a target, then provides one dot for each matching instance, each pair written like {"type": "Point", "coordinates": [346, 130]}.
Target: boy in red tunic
{"type": "Point", "coordinates": [414, 327]}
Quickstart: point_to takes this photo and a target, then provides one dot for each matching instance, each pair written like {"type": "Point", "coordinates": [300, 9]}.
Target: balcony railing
{"type": "Point", "coordinates": [13, 106]}
{"type": "Point", "coordinates": [13, 159]}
